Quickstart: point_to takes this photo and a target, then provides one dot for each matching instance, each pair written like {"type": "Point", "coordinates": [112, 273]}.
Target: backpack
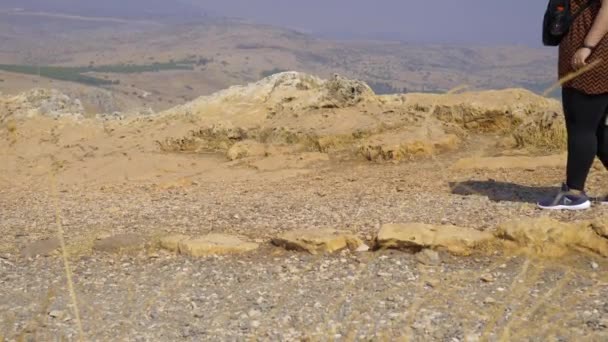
{"type": "Point", "coordinates": [558, 19]}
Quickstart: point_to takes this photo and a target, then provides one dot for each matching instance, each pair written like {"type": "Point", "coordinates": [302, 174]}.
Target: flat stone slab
{"type": "Point", "coordinates": [318, 241]}
{"type": "Point", "coordinates": [548, 237]}
{"type": "Point", "coordinates": [119, 243]}
{"type": "Point", "coordinates": [44, 247]}
{"type": "Point", "coordinates": [416, 236]}
{"type": "Point", "coordinates": [171, 242]}
{"type": "Point", "coordinates": [212, 244]}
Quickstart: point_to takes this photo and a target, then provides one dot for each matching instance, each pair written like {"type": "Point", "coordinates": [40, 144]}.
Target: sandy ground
{"type": "Point", "coordinates": [272, 294]}
{"type": "Point", "coordinates": [100, 184]}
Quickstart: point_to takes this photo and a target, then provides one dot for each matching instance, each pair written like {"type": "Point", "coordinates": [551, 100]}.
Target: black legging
{"type": "Point", "coordinates": [587, 134]}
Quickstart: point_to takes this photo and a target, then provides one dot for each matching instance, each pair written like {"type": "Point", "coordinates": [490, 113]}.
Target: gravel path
{"type": "Point", "coordinates": [272, 294]}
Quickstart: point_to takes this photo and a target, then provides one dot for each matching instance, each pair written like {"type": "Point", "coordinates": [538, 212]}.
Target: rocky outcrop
{"type": "Point", "coordinates": [548, 237]}
{"type": "Point", "coordinates": [546, 130]}
{"type": "Point", "coordinates": [408, 144]}
{"type": "Point", "coordinates": [40, 102]}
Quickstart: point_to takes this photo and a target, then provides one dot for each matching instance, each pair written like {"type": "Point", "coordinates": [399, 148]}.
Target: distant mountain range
{"type": "Point", "coordinates": [154, 59]}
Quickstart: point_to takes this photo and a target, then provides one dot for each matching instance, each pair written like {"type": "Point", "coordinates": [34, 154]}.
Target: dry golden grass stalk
{"type": "Point", "coordinates": [531, 311]}
{"type": "Point", "coordinates": [572, 76]}
{"type": "Point", "coordinates": [497, 313]}
{"type": "Point", "coordinates": [506, 331]}
{"type": "Point", "coordinates": [416, 304]}
{"type": "Point", "coordinates": [64, 256]}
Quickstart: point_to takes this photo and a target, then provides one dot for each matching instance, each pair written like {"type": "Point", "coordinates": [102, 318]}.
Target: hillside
{"type": "Point", "coordinates": [223, 52]}
{"type": "Point", "coordinates": [282, 115]}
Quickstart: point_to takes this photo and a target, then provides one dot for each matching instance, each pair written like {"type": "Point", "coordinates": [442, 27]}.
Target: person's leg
{"type": "Point", "coordinates": [602, 149]}
{"type": "Point", "coordinates": [602, 139]}
{"type": "Point", "coordinates": [584, 114]}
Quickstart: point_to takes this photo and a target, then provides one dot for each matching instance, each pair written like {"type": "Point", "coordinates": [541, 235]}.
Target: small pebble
{"type": "Point", "coordinates": [433, 283]}
{"type": "Point", "coordinates": [487, 278]}
{"type": "Point", "coordinates": [56, 314]}
{"type": "Point", "coordinates": [254, 313]}
{"type": "Point", "coordinates": [489, 300]}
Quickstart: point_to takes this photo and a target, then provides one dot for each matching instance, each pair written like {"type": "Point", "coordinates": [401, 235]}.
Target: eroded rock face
{"type": "Point", "coordinates": [247, 148]}
{"type": "Point", "coordinates": [295, 108]}
{"type": "Point", "coordinates": [600, 226]}
{"type": "Point", "coordinates": [318, 241]}
{"type": "Point", "coordinates": [408, 144]}
{"type": "Point", "coordinates": [546, 129]}
{"type": "Point", "coordinates": [342, 92]}
{"type": "Point", "coordinates": [488, 111]}
{"type": "Point", "coordinates": [548, 237]}
{"type": "Point", "coordinates": [537, 236]}
{"type": "Point", "coordinates": [417, 236]}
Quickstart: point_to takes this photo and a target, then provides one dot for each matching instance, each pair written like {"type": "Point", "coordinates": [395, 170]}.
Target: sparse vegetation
{"type": "Point", "coordinates": [78, 74]}
{"type": "Point", "coordinates": [546, 132]}
{"type": "Point", "coordinates": [129, 291]}
{"type": "Point", "coordinates": [385, 88]}
{"type": "Point", "coordinates": [271, 72]}
{"type": "Point", "coordinates": [59, 73]}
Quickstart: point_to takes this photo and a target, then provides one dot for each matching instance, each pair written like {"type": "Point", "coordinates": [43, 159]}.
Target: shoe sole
{"type": "Point", "coordinates": [583, 206]}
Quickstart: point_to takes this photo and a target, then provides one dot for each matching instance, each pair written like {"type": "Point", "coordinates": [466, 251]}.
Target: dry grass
{"type": "Point", "coordinates": [66, 263]}
{"type": "Point", "coordinates": [546, 132]}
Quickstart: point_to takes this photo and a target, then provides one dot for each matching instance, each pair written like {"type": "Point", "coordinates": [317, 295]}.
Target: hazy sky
{"type": "Point", "coordinates": [469, 21]}
{"type": "Point", "coordinates": [456, 21]}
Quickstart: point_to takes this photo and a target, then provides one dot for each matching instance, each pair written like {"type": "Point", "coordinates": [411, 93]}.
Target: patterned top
{"type": "Point", "coordinates": [594, 81]}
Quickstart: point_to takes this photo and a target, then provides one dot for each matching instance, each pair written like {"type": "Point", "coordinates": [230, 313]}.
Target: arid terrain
{"type": "Point", "coordinates": [166, 176]}
{"type": "Point", "coordinates": [216, 53]}
{"type": "Point", "coordinates": [296, 208]}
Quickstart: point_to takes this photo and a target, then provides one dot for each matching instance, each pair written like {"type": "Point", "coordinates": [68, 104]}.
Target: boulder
{"type": "Point", "coordinates": [408, 144]}
{"type": "Point", "coordinates": [548, 237]}
{"type": "Point", "coordinates": [318, 241]}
